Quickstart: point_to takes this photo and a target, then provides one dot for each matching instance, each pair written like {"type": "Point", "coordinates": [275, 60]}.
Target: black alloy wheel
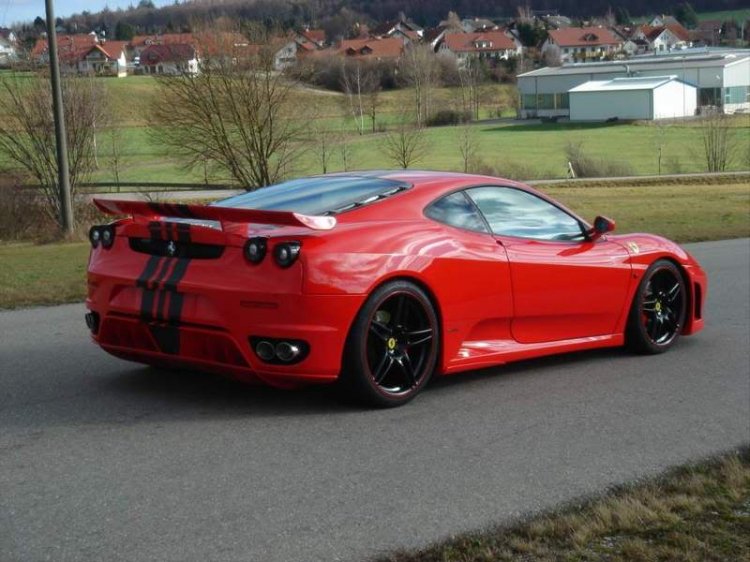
{"type": "Point", "coordinates": [392, 347]}
{"type": "Point", "coordinates": [658, 312]}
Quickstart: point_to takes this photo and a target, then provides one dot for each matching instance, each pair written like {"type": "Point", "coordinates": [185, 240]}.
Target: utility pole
{"type": "Point", "coordinates": [63, 177]}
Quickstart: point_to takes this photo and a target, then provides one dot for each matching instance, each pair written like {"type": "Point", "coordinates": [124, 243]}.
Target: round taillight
{"type": "Point", "coordinates": [286, 253]}
{"type": "Point", "coordinates": [95, 236]}
{"type": "Point", "coordinates": [108, 236]}
{"type": "Point", "coordinates": [255, 250]}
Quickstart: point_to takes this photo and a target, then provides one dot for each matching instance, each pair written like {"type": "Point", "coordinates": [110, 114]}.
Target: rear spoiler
{"type": "Point", "coordinates": [221, 214]}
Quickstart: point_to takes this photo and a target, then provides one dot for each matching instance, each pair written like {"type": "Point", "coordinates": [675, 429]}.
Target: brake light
{"type": "Point", "coordinates": [286, 253]}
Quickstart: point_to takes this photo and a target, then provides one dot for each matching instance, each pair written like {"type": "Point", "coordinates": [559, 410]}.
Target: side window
{"type": "Point", "coordinates": [513, 212]}
{"type": "Point", "coordinates": [456, 210]}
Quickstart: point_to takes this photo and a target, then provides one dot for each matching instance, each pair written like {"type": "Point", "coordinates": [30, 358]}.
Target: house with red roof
{"type": "Point", "coordinates": [140, 42]}
{"type": "Point", "coordinates": [582, 44]}
{"type": "Point", "coordinates": [480, 45]}
{"type": "Point", "coordinates": [104, 58]}
{"type": "Point", "coordinates": [171, 59]}
{"type": "Point", "coordinates": [68, 46]}
{"type": "Point", "coordinates": [313, 37]}
{"type": "Point", "coordinates": [385, 48]}
{"type": "Point", "coordinates": [86, 53]}
{"type": "Point", "coordinates": [388, 28]}
{"type": "Point", "coordinates": [663, 38]}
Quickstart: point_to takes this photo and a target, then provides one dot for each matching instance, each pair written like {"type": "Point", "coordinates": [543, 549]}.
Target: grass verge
{"type": "Point", "coordinates": [55, 273]}
{"type": "Point", "coordinates": [42, 274]}
{"type": "Point", "coordinates": [697, 512]}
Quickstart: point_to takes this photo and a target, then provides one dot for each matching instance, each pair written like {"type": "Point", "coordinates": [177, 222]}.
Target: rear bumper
{"type": "Point", "coordinates": [214, 331]}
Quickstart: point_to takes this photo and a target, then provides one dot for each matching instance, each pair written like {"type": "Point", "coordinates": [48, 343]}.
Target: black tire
{"type": "Point", "coordinates": [657, 314]}
{"type": "Point", "coordinates": [392, 348]}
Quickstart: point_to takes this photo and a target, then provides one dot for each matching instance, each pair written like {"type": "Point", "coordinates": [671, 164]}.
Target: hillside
{"type": "Point", "coordinates": [338, 15]}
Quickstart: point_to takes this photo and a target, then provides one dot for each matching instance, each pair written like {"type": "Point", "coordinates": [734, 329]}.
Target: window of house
{"type": "Point", "coordinates": [518, 213]}
{"type": "Point", "coordinates": [456, 210]}
{"type": "Point", "coordinates": [735, 94]}
{"type": "Point", "coordinates": [546, 101]}
{"type": "Point", "coordinates": [562, 101]}
{"type": "Point", "coordinates": [529, 101]}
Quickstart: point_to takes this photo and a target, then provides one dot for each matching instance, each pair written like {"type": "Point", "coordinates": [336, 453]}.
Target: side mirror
{"type": "Point", "coordinates": [602, 225]}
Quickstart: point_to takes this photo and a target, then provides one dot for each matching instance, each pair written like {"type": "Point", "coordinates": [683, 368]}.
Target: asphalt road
{"type": "Point", "coordinates": [106, 460]}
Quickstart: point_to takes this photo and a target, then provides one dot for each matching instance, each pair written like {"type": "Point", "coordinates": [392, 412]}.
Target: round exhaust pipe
{"type": "Point", "coordinates": [286, 351]}
{"type": "Point", "coordinates": [265, 350]}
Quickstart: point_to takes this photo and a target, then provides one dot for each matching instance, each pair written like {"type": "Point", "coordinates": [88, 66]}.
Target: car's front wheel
{"type": "Point", "coordinates": [657, 314]}
{"type": "Point", "coordinates": [392, 347]}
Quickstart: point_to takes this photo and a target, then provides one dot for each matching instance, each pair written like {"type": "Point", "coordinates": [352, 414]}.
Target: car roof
{"type": "Point", "coordinates": [427, 186]}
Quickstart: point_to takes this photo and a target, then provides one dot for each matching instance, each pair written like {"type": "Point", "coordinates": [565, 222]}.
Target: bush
{"type": "Point", "coordinates": [20, 211]}
{"type": "Point", "coordinates": [509, 170]}
{"type": "Point", "coordinates": [585, 166]}
{"type": "Point", "coordinates": [326, 71]}
{"type": "Point", "coordinates": [447, 117]}
{"type": "Point", "coordinates": [23, 214]}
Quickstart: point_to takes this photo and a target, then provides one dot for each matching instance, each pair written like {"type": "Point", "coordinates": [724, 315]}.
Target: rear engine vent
{"type": "Point", "coordinates": [176, 249]}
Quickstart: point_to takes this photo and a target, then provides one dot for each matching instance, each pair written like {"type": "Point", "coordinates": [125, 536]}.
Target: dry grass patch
{"type": "Point", "coordinates": [699, 512]}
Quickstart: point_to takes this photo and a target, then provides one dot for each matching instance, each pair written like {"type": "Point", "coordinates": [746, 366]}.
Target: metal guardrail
{"type": "Point", "coordinates": [90, 187]}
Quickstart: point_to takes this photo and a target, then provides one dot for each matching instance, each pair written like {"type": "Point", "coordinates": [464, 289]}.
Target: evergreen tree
{"type": "Point", "coordinates": [686, 15]}
{"type": "Point", "coordinates": [124, 31]}
{"type": "Point", "coordinates": [622, 16]}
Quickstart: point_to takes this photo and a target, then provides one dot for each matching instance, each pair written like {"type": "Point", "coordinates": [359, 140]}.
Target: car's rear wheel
{"type": "Point", "coordinates": [392, 347]}
{"type": "Point", "coordinates": [657, 314]}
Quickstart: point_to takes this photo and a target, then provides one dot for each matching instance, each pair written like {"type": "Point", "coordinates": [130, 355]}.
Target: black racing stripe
{"type": "Point", "coordinates": [147, 299]}
{"type": "Point", "coordinates": [157, 208]}
{"type": "Point", "coordinates": [151, 264]}
{"type": "Point", "coordinates": [147, 307]}
{"type": "Point", "coordinates": [185, 211]}
{"type": "Point", "coordinates": [176, 300]}
{"type": "Point", "coordinates": [169, 334]}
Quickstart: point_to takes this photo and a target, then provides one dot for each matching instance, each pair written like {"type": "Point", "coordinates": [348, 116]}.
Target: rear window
{"type": "Point", "coordinates": [316, 196]}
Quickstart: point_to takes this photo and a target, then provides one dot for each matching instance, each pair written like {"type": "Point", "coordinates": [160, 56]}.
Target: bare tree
{"type": "Point", "coordinates": [525, 13]}
{"type": "Point", "coordinates": [471, 78]}
{"type": "Point", "coordinates": [27, 130]}
{"type": "Point", "coordinates": [467, 146]}
{"type": "Point", "coordinates": [661, 138]}
{"type": "Point", "coordinates": [372, 101]}
{"type": "Point", "coordinates": [719, 142]}
{"type": "Point", "coordinates": [352, 78]}
{"type": "Point", "coordinates": [345, 151]}
{"type": "Point", "coordinates": [115, 155]}
{"type": "Point", "coordinates": [453, 22]}
{"type": "Point", "coordinates": [551, 55]}
{"type": "Point", "coordinates": [420, 71]}
{"type": "Point", "coordinates": [236, 113]}
{"type": "Point", "coordinates": [322, 143]}
{"type": "Point", "coordinates": [405, 145]}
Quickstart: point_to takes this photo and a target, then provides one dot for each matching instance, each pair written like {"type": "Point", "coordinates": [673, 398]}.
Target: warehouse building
{"type": "Point", "coordinates": [722, 80]}
{"type": "Point", "coordinates": [659, 97]}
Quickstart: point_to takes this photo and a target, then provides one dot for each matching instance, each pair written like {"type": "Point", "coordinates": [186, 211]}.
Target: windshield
{"type": "Point", "coordinates": [316, 196]}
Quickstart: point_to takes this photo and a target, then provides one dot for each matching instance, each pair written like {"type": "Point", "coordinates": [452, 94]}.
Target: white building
{"type": "Point", "coordinates": [657, 97]}
{"type": "Point", "coordinates": [484, 45]}
{"type": "Point", "coordinates": [7, 51]}
{"type": "Point", "coordinates": [107, 58]}
{"type": "Point", "coordinates": [722, 79]}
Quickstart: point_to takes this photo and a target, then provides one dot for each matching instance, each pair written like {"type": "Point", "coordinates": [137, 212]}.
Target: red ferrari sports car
{"type": "Point", "coordinates": [379, 280]}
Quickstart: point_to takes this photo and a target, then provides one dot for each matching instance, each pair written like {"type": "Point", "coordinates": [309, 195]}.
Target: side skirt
{"type": "Point", "coordinates": [476, 354]}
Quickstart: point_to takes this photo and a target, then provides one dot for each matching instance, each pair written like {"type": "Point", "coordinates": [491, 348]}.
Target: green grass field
{"type": "Point", "coordinates": [518, 149]}
{"type": "Point", "coordinates": [55, 273]}
{"type": "Point", "coordinates": [726, 15]}
{"type": "Point", "coordinates": [538, 149]}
